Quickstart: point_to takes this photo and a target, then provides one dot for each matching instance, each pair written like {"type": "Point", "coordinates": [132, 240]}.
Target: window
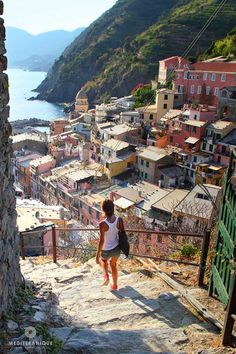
{"type": "Point", "coordinates": [213, 77]}
{"type": "Point", "coordinates": [204, 146]}
{"type": "Point", "coordinates": [205, 76]}
{"type": "Point", "coordinates": [141, 174]}
{"type": "Point", "coordinates": [146, 176]}
{"type": "Point", "coordinates": [211, 147]}
{"type": "Point", "coordinates": [208, 89]}
{"type": "Point", "coordinates": [199, 90]}
{"type": "Point", "coordinates": [223, 77]}
{"type": "Point", "coordinates": [147, 164]}
{"type": "Point", "coordinates": [195, 159]}
{"type": "Point", "coordinates": [142, 162]}
{"type": "Point", "coordinates": [177, 76]}
{"type": "Point", "coordinates": [195, 116]}
{"type": "Point", "coordinates": [90, 210]}
{"type": "Point", "coordinates": [216, 92]}
{"type": "Point", "coordinates": [165, 106]}
{"type": "Point", "coordinates": [151, 117]}
{"type": "Point", "coordinates": [194, 130]}
{"type": "Point", "coordinates": [186, 75]}
{"type": "Point", "coordinates": [192, 89]}
{"type": "Point", "coordinates": [187, 128]}
{"type": "Point", "coordinates": [166, 97]}
{"type": "Point", "coordinates": [192, 174]}
{"type": "Point", "coordinates": [162, 177]}
{"type": "Point", "coordinates": [159, 239]}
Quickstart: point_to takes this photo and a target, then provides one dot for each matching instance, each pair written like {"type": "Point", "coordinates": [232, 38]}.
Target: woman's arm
{"type": "Point", "coordinates": [101, 241]}
{"type": "Point", "coordinates": [121, 224]}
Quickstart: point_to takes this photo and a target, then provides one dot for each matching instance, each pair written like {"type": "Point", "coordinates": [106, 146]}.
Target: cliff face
{"type": "Point", "coordinates": [123, 47]}
{"type": "Point", "coordinates": [9, 247]}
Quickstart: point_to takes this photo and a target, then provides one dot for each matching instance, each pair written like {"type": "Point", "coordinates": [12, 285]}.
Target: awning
{"type": "Point", "coordinates": [191, 140]}
{"type": "Point", "coordinates": [215, 168]}
{"type": "Point", "coordinates": [123, 203]}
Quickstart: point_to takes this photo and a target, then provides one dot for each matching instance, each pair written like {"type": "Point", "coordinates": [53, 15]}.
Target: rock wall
{"type": "Point", "coordinates": [9, 247]}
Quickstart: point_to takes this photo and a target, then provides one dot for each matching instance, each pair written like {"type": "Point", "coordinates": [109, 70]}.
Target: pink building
{"type": "Point", "coordinates": [186, 134]}
{"type": "Point", "coordinates": [200, 112]}
{"type": "Point", "coordinates": [223, 150]}
{"type": "Point", "coordinates": [42, 165]}
{"type": "Point", "coordinates": [90, 209]}
{"type": "Point", "coordinates": [168, 66]}
{"type": "Point", "coordinates": [202, 81]}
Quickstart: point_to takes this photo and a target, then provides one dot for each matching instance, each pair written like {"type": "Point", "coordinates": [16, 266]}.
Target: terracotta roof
{"type": "Point", "coordinates": [216, 66]}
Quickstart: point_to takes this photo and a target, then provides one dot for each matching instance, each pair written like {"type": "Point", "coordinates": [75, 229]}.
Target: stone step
{"type": "Point", "coordinates": [126, 341]}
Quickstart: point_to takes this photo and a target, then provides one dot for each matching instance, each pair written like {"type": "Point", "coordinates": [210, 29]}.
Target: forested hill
{"type": "Point", "coordinates": [123, 47]}
{"type": "Point", "coordinates": [223, 47]}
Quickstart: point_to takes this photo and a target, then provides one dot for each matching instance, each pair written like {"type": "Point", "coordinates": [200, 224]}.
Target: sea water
{"type": "Point", "coordinates": [21, 84]}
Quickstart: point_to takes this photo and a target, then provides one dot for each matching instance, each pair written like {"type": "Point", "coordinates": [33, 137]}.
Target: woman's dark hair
{"type": "Point", "coordinates": [108, 208]}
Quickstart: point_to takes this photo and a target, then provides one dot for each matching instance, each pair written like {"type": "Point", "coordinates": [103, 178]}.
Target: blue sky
{"type": "Point", "coordinates": [36, 16]}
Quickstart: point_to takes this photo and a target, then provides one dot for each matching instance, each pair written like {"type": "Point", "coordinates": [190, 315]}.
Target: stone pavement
{"type": "Point", "coordinates": [144, 316]}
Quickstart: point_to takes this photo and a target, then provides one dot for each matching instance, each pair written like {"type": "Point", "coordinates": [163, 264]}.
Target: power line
{"type": "Point", "coordinates": [187, 51]}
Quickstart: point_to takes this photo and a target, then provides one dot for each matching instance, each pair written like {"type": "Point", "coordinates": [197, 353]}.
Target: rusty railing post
{"type": "Point", "coordinates": [54, 244]}
{"type": "Point", "coordinates": [22, 246]}
{"type": "Point", "coordinates": [204, 254]}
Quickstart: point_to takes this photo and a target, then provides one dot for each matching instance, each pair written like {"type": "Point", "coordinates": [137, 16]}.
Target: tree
{"type": "Point", "coordinates": [144, 95]}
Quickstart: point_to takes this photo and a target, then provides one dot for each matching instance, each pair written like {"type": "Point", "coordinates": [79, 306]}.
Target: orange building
{"type": "Point", "coordinates": [57, 126]}
{"type": "Point", "coordinates": [81, 102]}
{"type": "Point", "coordinates": [23, 171]}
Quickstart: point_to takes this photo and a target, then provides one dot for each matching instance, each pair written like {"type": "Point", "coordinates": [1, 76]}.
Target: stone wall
{"type": "Point", "coordinates": [9, 248]}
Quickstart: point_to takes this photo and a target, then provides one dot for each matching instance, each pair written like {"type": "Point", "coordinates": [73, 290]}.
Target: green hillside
{"type": "Point", "coordinates": [122, 48]}
{"type": "Point", "coordinates": [225, 47]}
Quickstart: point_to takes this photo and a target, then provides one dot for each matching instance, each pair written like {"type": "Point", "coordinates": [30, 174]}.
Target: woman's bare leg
{"type": "Point", "coordinates": [114, 272]}
{"type": "Point", "coordinates": [104, 266]}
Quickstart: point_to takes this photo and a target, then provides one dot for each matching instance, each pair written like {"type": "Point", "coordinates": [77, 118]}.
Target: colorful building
{"type": "Point", "coordinates": [149, 162]}
{"type": "Point", "coordinates": [42, 165]}
{"type": "Point", "coordinates": [201, 82]}
{"type": "Point", "coordinates": [22, 171]}
{"type": "Point", "coordinates": [117, 157]}
{"type": "Point", "coordinates": [187, 134]}
{"type": "Point", "coordinates": [214, 133]}
{"type": "Point", "coordinates": [224, 147]}
{"type": "Point", "coordinates": [168, 66]}
{"type": "Point", "coordinates": [81, 102]}
{"type": "Point", "coordinates": [209, 173]}
{"type": "Point", "coordinates": [57, 126]}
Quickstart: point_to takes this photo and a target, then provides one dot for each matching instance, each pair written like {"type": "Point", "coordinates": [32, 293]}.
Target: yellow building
{"type": "Point", "coordinates": [117, 156]}
{"type": "Point", "coordinates": [164, 102]}
{"type": "Point", "coordinates": [116, 166]}
{"type": "Point", "coordinates": [81, 102]}
{"type": "Point", "coordinates": [210, 174]}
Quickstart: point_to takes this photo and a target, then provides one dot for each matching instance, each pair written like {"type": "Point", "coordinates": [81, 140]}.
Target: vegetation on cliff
{"type": "Point", "coordinates": [223, 47]}
{"type": "Point", "coordinates": [124, 45]}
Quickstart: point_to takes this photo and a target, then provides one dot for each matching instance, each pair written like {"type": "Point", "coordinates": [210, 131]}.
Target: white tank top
{"type": "Point", "coordinates": [111, 238]}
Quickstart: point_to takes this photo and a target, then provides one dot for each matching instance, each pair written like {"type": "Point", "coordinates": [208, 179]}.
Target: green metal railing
{"type": "Point", "coordinates": [223, 276]}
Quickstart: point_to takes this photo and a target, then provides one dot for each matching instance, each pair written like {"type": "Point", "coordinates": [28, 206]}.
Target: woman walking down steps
{"type": "Point", "coordinates": [108, 247]}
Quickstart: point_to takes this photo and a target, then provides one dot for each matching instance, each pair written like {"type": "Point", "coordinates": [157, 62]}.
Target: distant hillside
{"type": "Point", "coordinates": [223, 47]}
{"type": "Point", "coordinates": [37, 52]}
{"type": "Point", "coordinates": [122, 48]}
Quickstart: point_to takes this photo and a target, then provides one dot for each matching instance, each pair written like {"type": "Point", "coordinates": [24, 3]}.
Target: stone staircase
{"type": "Point", "coordinates": [144, 316]}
